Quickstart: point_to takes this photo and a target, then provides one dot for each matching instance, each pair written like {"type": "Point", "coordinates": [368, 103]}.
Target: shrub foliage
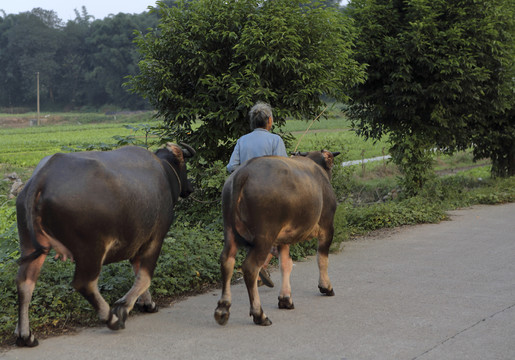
{"type": "Point", "coordinates": [440, 75]}
{"type": "Point", "coordinates": [211, 60]}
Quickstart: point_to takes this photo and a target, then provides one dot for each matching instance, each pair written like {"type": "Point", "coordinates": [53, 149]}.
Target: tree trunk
{"type": "Point", "coordinates": [503, 165]}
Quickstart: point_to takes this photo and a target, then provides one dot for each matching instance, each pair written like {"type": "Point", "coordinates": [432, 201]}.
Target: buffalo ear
{"type": "Point", "coordinates": [328, 158]}
{"type": "Point", "coordinates": [170, 145]}
{"type": "Point", "coordinates": [175, 150]}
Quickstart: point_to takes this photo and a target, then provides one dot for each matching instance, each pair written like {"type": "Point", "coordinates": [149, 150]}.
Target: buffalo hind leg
{"type": "Point", "coordinates": [227, 261]}
{"type": "Point", "coordinates": [123, 306]}
{"type": "Point", "coordinates": [251, 265]}
{"type": "Point", "coordinates": [144, 302]}
{"type": "Point", "coordinates": [85, 280]}
{"type": "Point", "coordinates": [324, 242]}
{"type": "Point", "coordinates": [144, 263]}
{"type": "Point", "coordinates": [28, 274]}
{"type": "Point", "coordinates": [286, 263]}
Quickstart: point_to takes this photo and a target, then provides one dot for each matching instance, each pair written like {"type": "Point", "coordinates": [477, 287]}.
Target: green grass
{"type": "Point", "coordinates": [351, 146]}
{"type": "Point", "coordinates": [458, 160]}
{"type": "Point", "coordinates": [334, 134]}
{"type": "Point", "coordinates": [27, 146]}
{"type": "Point", "coordinates": [80, 118]}
{"type": "Point", "coordinates": [336, 123]}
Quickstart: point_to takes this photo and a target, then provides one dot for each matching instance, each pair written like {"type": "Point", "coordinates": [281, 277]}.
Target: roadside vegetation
{"type": "Point", "coordinates": [369, 199]}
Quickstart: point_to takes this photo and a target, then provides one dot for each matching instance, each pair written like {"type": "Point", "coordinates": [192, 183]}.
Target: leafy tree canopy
{"type": "Point", "coordinates": [437, 72]}
{"type": "Point", "coordinates": [211, 60]}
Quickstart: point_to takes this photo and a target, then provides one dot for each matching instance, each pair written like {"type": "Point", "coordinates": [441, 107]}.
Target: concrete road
{"type": "Point", "coordinates": [428, 292]}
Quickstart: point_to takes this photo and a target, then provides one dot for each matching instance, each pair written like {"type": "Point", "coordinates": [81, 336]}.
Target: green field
{"type": "Point", "coordinates": [26, 146]}
{"type": "Point", "coordinates": [22, 148]}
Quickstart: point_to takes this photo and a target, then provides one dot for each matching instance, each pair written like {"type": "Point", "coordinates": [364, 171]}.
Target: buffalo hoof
{"type": "Point", "coordinates": [148, 308]}
{"type": "Point", "coordinates": [261, 319]}
{"type": "Point", "coordinates": [327, 292]}
{"type": "Point", "coordinates": [117, 318]}
{"type": "Point", "coordinates": [286, 303]}
{"type": "Point", "coordinates": [222, 312]}
{"type": "Point", "coordinates": [258, 320]}
{"type": "Point", "coordinates": [30, 341]}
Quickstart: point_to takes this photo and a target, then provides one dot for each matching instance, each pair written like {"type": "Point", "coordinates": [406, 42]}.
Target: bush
{"type": "Point", "coordinates": [8, 234]}
{"type": "Point", "coordinates": [494, 192]}
{"type": "Point", "coordinates": [342, 181]}
{"type": "Point", "coordinates": [204, 205]}
{"type": "Point", "coordinates": [415, 210]}
{"type": "Point", "coordinates": [189, 260]}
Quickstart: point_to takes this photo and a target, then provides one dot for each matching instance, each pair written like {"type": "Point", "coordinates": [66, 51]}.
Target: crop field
{"type": "Point", "coordinates": [26, 146]}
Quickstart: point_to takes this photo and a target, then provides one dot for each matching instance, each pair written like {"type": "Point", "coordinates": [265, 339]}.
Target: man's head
{"type": "Point", "coordinates": [260, 116]}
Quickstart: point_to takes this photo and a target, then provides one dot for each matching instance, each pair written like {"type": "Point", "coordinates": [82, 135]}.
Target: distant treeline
{"type": "Point", "coordinates": [81, 63]}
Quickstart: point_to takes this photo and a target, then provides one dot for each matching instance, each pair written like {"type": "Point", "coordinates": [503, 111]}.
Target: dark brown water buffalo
{"type": "Point", "coordinates": [97, 208]}
{"type": "Point", "coordinates": [276, 201]}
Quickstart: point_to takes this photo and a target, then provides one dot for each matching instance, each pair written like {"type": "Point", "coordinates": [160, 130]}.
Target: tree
{"type": "Point", "coordinates": [72, 91]}
{"type": "Point", "coordinates": [81, 63]}
{"type": "Point", "coordinates": [493, 129]}
{"type": "Point", "coordinates": [111, 57]}
{"type": "Point", "coordinates": [9, 87]}
{"type": "Point", "coordinates": [210, 61]}
{"type": "Point", "coordinates": [29, 45]}
{"type": "Point", "coordinates": [437, 72]}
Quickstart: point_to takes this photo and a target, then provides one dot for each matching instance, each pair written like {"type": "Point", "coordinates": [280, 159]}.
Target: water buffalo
{"type": "Point", "coordinates": [97, 208]}
{"type": "Point", "coordinates": [276, 201]}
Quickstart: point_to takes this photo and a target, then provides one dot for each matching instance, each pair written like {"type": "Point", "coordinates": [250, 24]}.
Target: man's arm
{"type": "Point", "coordinates": [280, 149]}
{"type": "Point", "coordinates": [234, 161]}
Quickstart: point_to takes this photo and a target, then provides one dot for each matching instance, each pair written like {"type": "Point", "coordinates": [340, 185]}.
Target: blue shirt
{"type": "Point", "coordinates": [259, 142]}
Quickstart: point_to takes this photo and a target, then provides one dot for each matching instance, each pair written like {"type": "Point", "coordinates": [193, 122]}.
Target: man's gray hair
{"type": "Point", "coordinates": [259, 114]}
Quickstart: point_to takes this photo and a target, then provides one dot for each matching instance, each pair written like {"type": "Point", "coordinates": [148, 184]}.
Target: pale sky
{"type": "Point", "coordinates": [64, 8]}
{"type": "Point", "coordinates": [98, 8]}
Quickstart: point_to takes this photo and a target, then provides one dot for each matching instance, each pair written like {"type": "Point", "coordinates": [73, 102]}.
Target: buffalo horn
{"type": "Point", "coordinates": [336, 153]}
{"type": "Point", "coordinates": [298, 153]}
{"type": "Point", "coordinates": [188, 150]}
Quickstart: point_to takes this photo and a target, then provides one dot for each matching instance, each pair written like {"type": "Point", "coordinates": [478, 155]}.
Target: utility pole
{"type": "Point", "coordinates": [37, 77]}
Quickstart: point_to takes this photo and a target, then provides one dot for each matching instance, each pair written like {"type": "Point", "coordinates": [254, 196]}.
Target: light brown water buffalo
{"type": "Point", "coordinates": [98, 208]}
{"type": "Point", "coordinates": [276, 201]}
